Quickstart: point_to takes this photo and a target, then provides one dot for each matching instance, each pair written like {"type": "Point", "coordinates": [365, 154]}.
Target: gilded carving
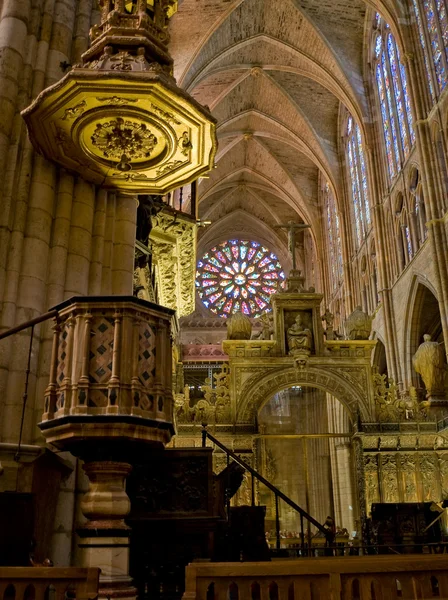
{"type": "Point", "coordinates": [390, 407]}
{"type": "Point", "coordinates": [256, 390]}
{"type": "Point", "coordinates": [409, 481]}
{"type": "Point", "coordinates": [74, 111]}
{"type": "Point", "coordinates": [176, 262]}
{"type": "Point", "coordinates": [119, 137]}
{"type": "Point", "coordinates": [371, 480]}
{"type": "Point", "coordinates": [443, 466]}
{"type": "Point", "coordinates": [166, 116]}
{"type": "Point", "coordinates": [428, 473]}
{"type": "Point", "coordinates": [213, 408]}
{"type": "Point", "coordinates": [389, 479]}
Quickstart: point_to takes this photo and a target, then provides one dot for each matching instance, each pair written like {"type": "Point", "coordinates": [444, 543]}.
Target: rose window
{"type": "Point", "coordinates": [238, 276]}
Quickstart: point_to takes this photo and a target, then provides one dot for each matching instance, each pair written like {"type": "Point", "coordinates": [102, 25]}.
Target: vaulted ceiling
{"type": "Point", "coordinates": [275, 74]}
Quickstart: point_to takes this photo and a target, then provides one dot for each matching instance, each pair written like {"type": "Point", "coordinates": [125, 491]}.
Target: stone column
{"type": "Point", "coordinates": [80, 242]}
{"type": "Point", "coordinates": [124, 242]}
{"type": "Point", "coordinates": [433, 196]}
{"type": "Point", "coordinates": [105, 537]}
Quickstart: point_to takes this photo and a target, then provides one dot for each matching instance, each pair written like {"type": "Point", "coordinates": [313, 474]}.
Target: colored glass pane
{"type": "Point", "coordinates": [399, 101]}
{"type": "Point", "coordinates": [359, 184]}
{"type": "Point", "coordinates": [435, 45]}
{"type": "Point", "coordinates": [390, 108]}
{"type": "Point", "coordinates": [385, 119]}
{"type": "Point", "coordinates": [245, 283]}
{"type": "Point", "coordinates": [408, 242]}
{"type": "Point", "coordinates": [334, 238]}
{"type": "Point", "coordinates": [421, 34]}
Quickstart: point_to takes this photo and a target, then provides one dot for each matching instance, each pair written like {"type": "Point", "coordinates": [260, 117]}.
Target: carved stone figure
{"type": "Point", "coordinates": [358, 325]}
{"type": "Point", "coordinates": [300, 337]}
{"type": "Point", "coordinates": [429, 362]}
{"type": "Point", "coordinates": [328, 317]}
{"type": "Point", "coordinates": [239, 327]}
{"type": "Point", "coordinates": [267, 323]}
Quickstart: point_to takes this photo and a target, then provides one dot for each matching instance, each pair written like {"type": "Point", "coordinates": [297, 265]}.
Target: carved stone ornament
{"type": "Point", "coordinates": [358, 325]}
{"type": "Point", "coordinates": [173, 243]}
{"type": "Point", "coordinates": [239, 327]}
{"type": "Point", "coordinates": [119, 118]}
{"type": "Point", "coordinates": [429, 362]}
{"type": "Point", "coordinates": [213, 408]}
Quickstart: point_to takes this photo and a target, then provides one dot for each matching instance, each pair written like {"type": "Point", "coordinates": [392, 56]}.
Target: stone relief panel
{"type": "Point", "coordinates": [409, 478]}
{"type": "Point", "coordinates": [405, 476]}
{"type": "Point", "coordinates": [389, 479]}
{"type": "Point", "coordinates": [429, 477]}
{"type": "Point", "coordinates": [371, 480]}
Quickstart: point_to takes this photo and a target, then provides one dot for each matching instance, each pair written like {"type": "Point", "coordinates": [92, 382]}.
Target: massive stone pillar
{"type": "Point", "coordinates": [124, 242]}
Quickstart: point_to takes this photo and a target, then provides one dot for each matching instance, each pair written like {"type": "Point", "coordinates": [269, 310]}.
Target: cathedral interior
{"type": "Point", "coordinates": [223, 299]}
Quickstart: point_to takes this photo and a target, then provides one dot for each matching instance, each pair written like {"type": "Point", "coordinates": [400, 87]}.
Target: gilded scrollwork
{"type": "Point", "coordinates": [176, 262]}
{"type": "Point", "coordinates": [391, 407]}
{"type": "Point", "coordinates": [213, 408]}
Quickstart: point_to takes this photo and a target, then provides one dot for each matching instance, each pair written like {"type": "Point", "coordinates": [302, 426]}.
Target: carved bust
{"type": "Point", "coordinates": [429, 362]}
{"type": "Point", "coordinates": [239, 327]}
{"type": "Point", "coordinates": [300, 337]}
{"type": "Point", "coordinates": [358, 325]}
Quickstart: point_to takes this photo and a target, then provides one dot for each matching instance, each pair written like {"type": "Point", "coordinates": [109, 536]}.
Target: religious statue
{"type": "Point", "coordinates": [358, 325]}
{"type": "Point", "coordinates": [239, 327]}
{"type": "Point", "coordinates": [429, 362]}
{"type": "Point", "coordinates": [300, 337]}
{"type": "Point", "coordinates": [328, 317]}
{"type": "Point", "coordinates": [267, 323]}
{"type": "Point", "coordinates": [292, 229]}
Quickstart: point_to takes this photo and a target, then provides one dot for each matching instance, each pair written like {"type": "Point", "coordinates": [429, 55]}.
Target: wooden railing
{"type": "Point", "coordinates": [409, 577]}
{"type": "Point", "coordinates": [48, 583]}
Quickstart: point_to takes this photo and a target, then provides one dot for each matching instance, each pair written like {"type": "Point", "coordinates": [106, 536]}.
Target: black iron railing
{"type": "Point", "coordinates": [13, 330]}
{"type": "Point", "coordinates": [279, 495]}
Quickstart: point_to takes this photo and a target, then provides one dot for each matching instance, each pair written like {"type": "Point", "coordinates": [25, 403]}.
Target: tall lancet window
{"type": "Point", "coordinates": [395, 106]}
{"type": "Point", "coordinates": [334, 239]}
{"type": "Point", "coordinates": [357, 172]}
{"type": "Point", "coordinates": [432, 22]}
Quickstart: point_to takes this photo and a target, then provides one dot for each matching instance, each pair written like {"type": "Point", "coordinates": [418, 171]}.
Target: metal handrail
{"type": "Point", "coordinates": [44, 317]}
{"type": "Point", "coordinates": [17, 329]}
{"type": "Point", "coordinates": [278, 493]}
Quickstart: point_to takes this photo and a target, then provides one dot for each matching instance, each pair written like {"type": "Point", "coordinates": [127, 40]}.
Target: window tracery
{"type": "Point", "coordinates": [418, 210]}
{"type": "Point", "coordinates": [357, 172]}
{"type": "Point", "coordinates": [238, 276]}
{"type": "Point", "coordinates": [405, 246]}
{"type": "Point", "coordinates": [333, 238]}
{"type": "Point", "coordinates": [432, 23]}
{"type": "Point", "coordinates": [395, 106]}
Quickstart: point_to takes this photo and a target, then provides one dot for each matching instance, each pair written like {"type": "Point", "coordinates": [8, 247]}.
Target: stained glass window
{"type": "Point", "coordinates": [334, 238]}
{"type": "Point", "coordinates": [358, 180]}
{"type": "Point", "coordinates": [395, 105]}
{"type": "Point", "coordinates": [238, 276]}
{"type": "Point", "coordinates": [432, 23]}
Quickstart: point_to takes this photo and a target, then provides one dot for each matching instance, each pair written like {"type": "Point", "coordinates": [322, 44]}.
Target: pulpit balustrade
{"type": "Point", "coordinates": [350, 578]}
{"type": "Point", "coordinates": [111, 357]}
